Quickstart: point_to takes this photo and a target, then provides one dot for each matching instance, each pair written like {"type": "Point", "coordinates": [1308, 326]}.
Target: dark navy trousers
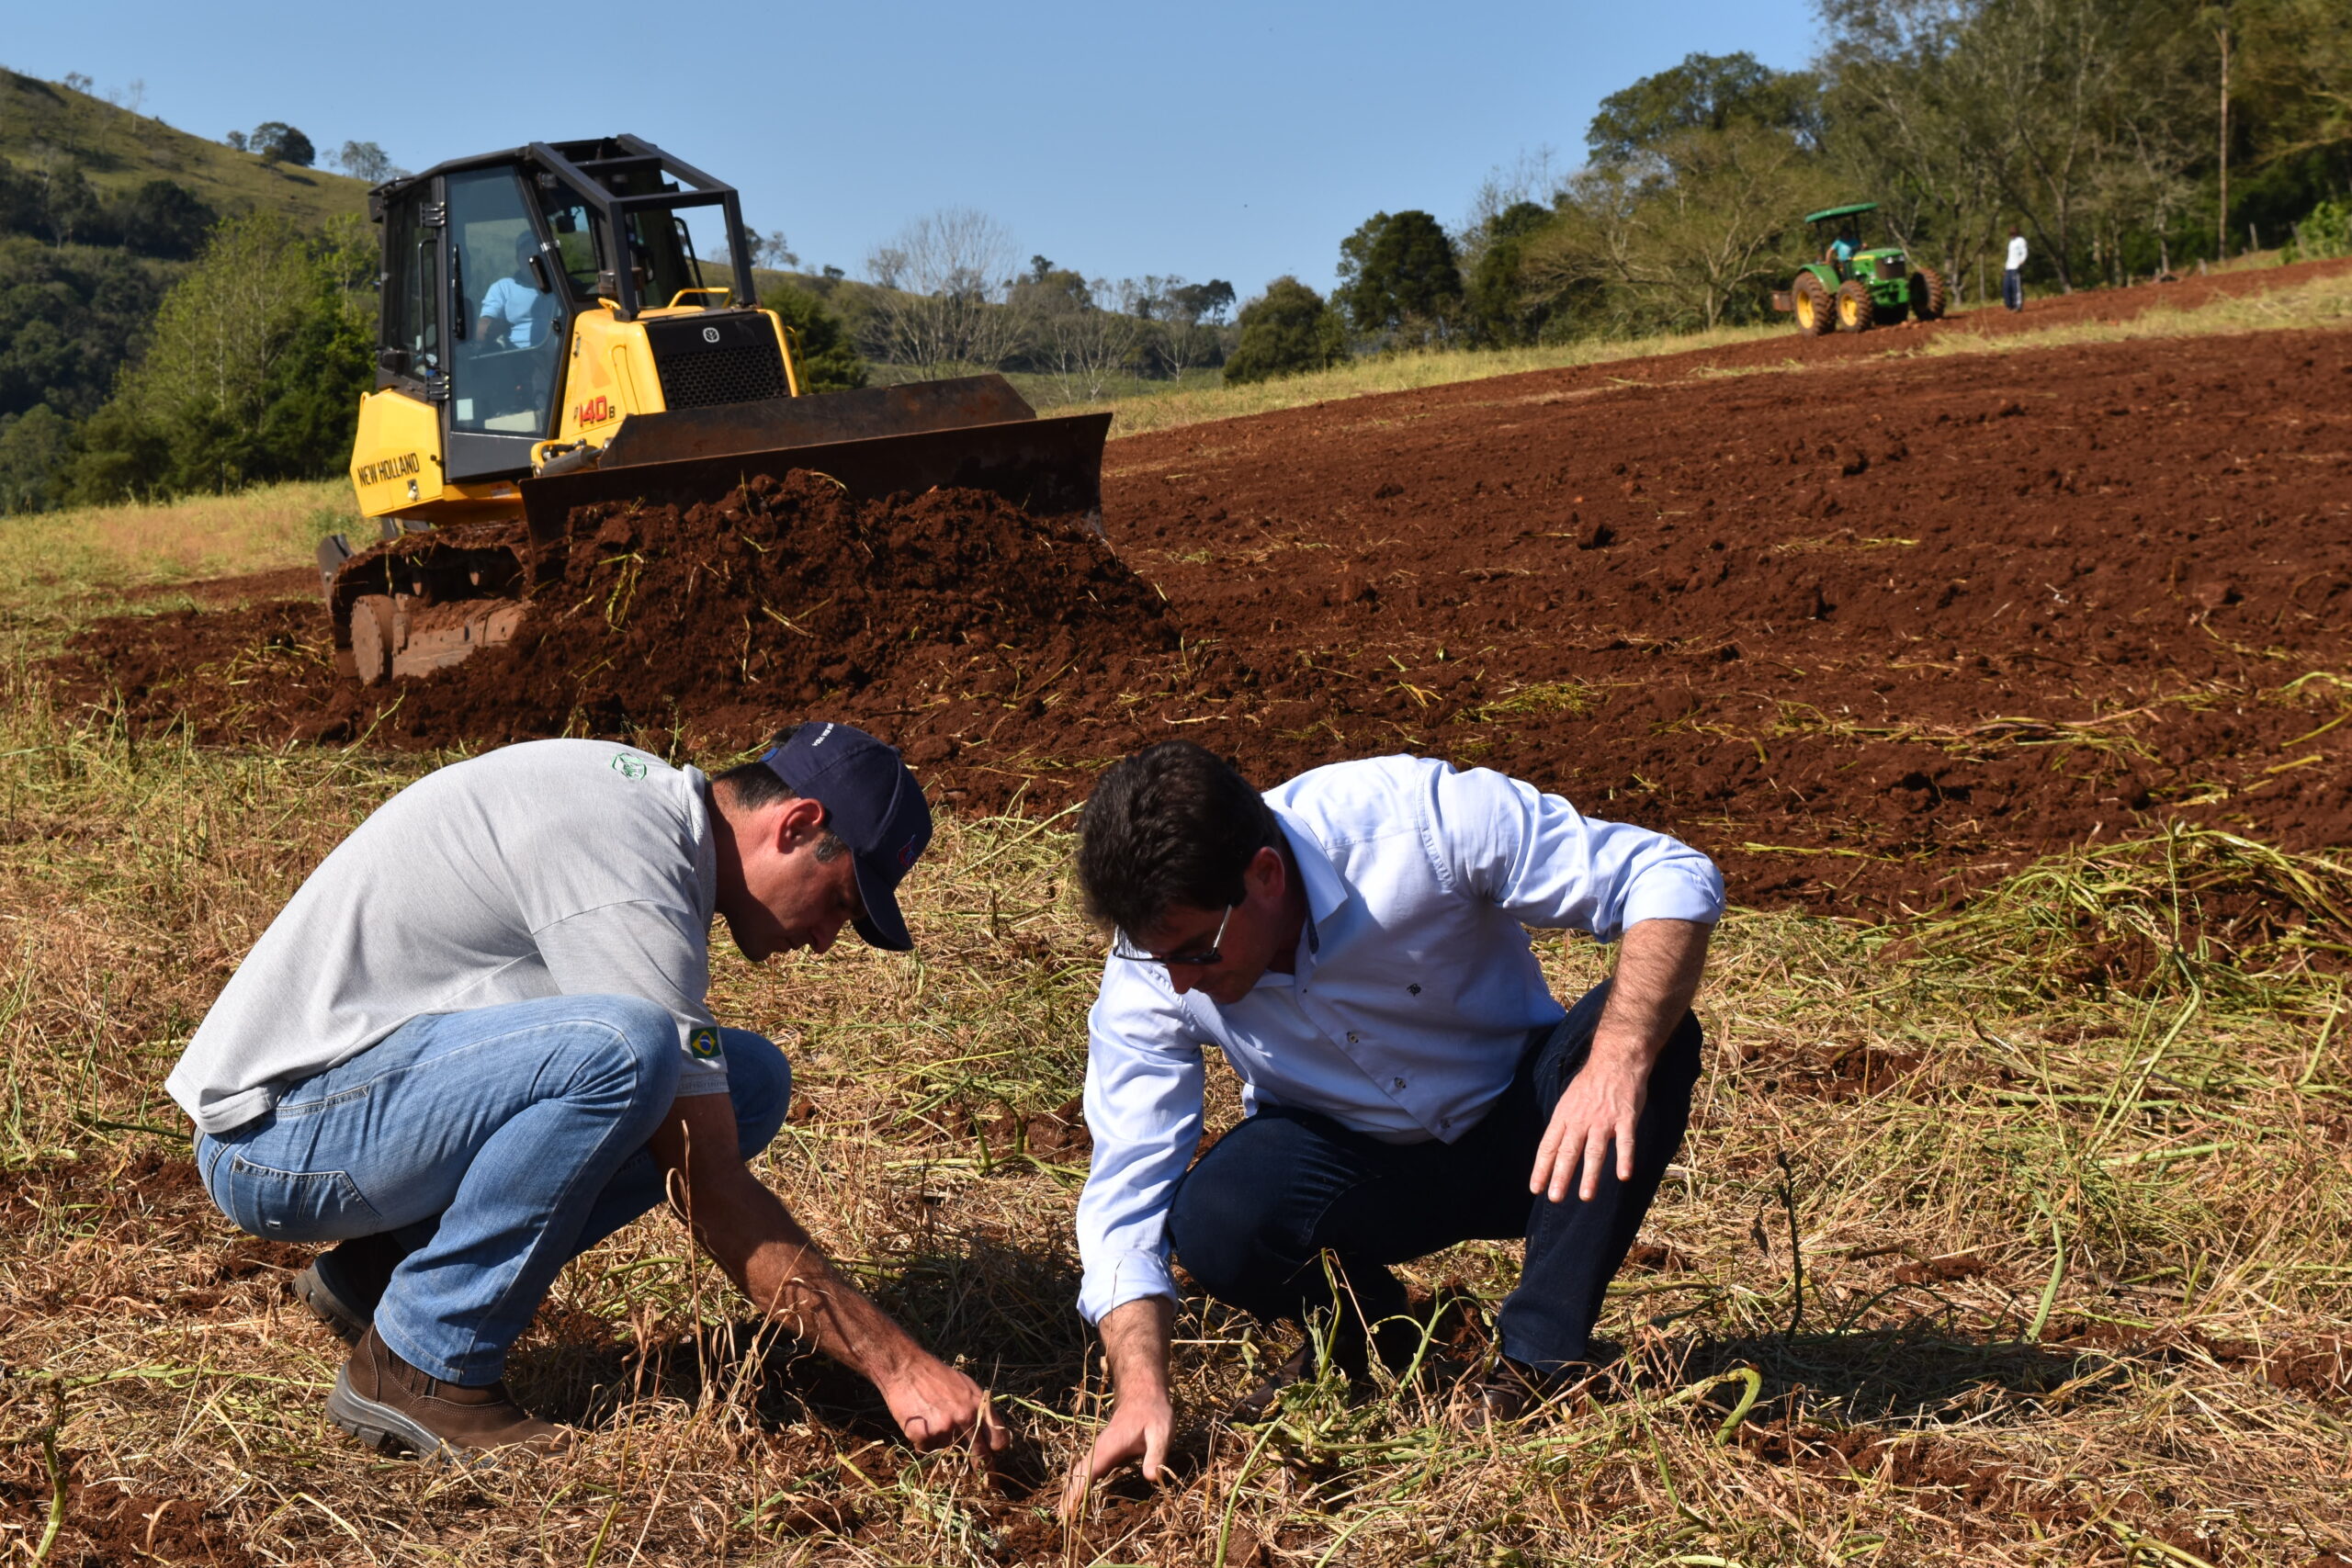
{"type": "Point", "coordinates": [1254, 1218]}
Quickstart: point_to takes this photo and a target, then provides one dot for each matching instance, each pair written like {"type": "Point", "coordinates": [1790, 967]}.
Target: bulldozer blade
{"type": "Point", "coordinates": [974, 433]}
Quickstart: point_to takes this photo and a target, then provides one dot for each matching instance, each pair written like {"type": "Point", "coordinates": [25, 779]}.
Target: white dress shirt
{"type": "Point", "coordinates": [2017, 251]}
{"type": "Point", "coordinates": [1414, 992]}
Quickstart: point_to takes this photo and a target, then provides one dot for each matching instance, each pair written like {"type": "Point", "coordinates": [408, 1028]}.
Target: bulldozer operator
{"type": "Point", "coordinates": [475, 1044]}
{"type": "Point", "coordinates": [517, 307]}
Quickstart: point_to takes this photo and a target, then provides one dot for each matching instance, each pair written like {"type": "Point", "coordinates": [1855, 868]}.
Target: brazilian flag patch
{"type": "Point", "coordinates": [703, 1045]}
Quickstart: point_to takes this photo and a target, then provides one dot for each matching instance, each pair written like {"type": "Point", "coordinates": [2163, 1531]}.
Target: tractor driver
{"type": "Point", "coordinates": [515, 308]}
{"type": "Point", "coordinates": [1841, 252]}
{"type": "Point", "coordinates": [475, 1044]}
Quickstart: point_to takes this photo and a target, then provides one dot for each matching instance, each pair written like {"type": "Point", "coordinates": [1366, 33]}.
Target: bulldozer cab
{"type": "Point", "coordinates": [488, 261]}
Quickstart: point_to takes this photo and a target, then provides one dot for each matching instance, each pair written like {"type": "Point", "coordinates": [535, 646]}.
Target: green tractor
{"type": "Point", "coordinates": [1861, 280]}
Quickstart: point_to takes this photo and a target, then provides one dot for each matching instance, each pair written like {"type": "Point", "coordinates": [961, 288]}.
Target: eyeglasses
{"type": "Point", "coordinates": [1122, 947]}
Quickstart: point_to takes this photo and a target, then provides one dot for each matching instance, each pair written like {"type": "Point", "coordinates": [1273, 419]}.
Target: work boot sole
{"type": "Point", "coordinates": [382, 1427]}
{"type": "Point", "coordinates": [386, 1430]}
{"type": "Point", "coordinates": [313, 1291]}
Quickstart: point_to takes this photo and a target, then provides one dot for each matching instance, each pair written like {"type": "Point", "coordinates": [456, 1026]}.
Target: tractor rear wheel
{"type": "Point", "coordinates": [1930, 295]}
{"type": "Point", "coordinates": [1816, 315]}
{"type": "Point", "coordinates": [1856, 310]}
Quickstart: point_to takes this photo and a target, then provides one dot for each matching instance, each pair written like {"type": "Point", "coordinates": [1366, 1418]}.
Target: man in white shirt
{"type": "Point", "coordinates": [1353, 942]}
{"type": "Point", "coordinates": [2013, 276]}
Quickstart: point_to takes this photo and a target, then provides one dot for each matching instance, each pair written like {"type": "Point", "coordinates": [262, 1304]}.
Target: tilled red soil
{"type": "Point", "coordinates": [1872, 635]}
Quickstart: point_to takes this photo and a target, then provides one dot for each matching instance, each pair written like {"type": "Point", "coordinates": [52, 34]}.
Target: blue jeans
{"type": "Point", "coordinates": [498, 1144]}
{"type": "Point", "coordinates": [2013, 289]}
{"type": "Point", "coordinates": [1253, 1218]}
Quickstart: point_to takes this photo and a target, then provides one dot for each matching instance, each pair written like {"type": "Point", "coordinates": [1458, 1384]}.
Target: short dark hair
{"type": "Point", "coordinates": [753, 784]}
{"type": "Point", "coordinates": [1174, 824]}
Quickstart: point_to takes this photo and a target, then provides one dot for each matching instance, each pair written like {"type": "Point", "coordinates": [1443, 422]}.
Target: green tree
{"type": "Point", "coordinates": [68, 320]}
{"type": "Point", "coordinates": [829, 362]}
{"type": "Point", "coordinates": [365, 160]}
{"type": "Point", "coordinates": [1706, 92]}
{"type": "Point", "coordinates": [1202, 302]}
{"type": "Point", "coordinates": [278, 142]}
{"type": "Point", "coordinates": [1498, 307]}
{"type": "Point", "coordinates": [163, 219]}
{"type": "Point", "coordinates": [1398, 277]}
{"type": "Point", "coordinates": [1286, 329]}
{"type": "Point", "coordinates": [35, 447]}
{"type": "Point", "coordinates": [258, 358]}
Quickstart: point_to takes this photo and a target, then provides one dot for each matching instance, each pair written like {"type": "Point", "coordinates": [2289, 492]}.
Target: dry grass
{"type": "Point", "coordinates": [1399, 373]}
{"type": "Point", "coordinates": [94, 549]}
{"type": "Point", "coordinates": [2027, 1231]}
{"type": "Point", "coordinates": [2319, 304]}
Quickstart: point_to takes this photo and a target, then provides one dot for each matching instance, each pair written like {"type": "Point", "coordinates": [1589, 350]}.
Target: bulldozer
{"type": "Point", "coordinates": [1863, 278]}
{"type": "Point", "coordinates": [551, 337]}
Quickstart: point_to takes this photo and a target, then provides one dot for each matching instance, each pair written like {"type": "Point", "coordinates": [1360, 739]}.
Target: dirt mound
{"type": "Point", "coordinates": [702, 627]}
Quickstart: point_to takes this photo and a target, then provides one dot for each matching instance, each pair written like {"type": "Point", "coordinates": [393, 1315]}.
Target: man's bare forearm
{"type": "Point", "coordinates": [751, 1236]}
{"type": "Point", "coordinates": [1658, 966]}
{"type": "Point", "coordinates": [1135, 1336]}
{"type": "Point", "coordinates": [772, 1259]}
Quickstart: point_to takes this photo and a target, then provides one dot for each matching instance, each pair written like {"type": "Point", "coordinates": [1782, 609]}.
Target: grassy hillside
{"type": "Point", "coordinates": [44, 124]}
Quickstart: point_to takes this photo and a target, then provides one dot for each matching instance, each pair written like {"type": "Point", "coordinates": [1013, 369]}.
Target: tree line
{"type": "Point", "coordinates": [148, 345]}
{"type": "Point", "coordinates": [249, 367]}
{"type": "Point", "coordinates": [948, 296]}
{"type": "Point", "coordinates": [2127, 138]}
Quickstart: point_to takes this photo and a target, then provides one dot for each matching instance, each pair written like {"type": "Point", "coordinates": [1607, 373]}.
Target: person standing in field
{"type": "Point", "coordinates": [2013, 275]}
{"type": "Point", "coordinates": [1353, 943]}
{"type": "Point", "coordinates": [475, 1044]}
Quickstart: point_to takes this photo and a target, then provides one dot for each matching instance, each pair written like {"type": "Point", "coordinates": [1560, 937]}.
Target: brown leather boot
{"type": "Point", "coordinates": [385, 1403]}
{"type": "Point", "coordinates": [343, 1283]}
{"type": "Point", "coordinates": [1510, 1391]}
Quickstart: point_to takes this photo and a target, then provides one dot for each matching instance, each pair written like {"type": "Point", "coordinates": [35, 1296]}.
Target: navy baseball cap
{"type": "Point", "coordinates": [872, 804]}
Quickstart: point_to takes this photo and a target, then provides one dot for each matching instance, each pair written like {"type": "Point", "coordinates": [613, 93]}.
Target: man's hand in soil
{"type": "Point", "coordinates": [1659, 966]}
{"type": "Point", "coordinates": [934, 1404]}
{"type": "Point", "coordinates": [751, 1234]}
{"type": "Point", "coordinates": [1134, 1341]}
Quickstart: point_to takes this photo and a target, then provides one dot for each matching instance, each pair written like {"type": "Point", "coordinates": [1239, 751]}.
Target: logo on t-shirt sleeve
{"type": "Point", "coordinates": [628, 767]}
{"type": "Point", "coordinates": [703, 1045]}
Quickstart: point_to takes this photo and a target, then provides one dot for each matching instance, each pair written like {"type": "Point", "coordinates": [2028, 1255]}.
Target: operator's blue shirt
{"type": "Point", "coordinates": [524, 309]}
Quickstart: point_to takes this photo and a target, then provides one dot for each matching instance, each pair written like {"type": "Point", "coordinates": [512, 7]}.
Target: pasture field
{"type": "Point", "coordinates": [2013, 1223]}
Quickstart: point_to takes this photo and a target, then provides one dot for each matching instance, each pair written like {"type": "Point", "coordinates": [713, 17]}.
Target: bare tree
{"type": "Point", "coordinates": [365, 160]}
{"type": "Point", "coordinates": [1675, 236]}
{"type": "Point", "coordinates": [771, 250]}
{"type": "Point", "coordinates": [940, 301]}
{"type": "Point", "coordinates": [1531, 175]}
{"type": "Point", "coordinates": [1181, 342]}
{"type": "Point", "coordinates": [1087, 344]}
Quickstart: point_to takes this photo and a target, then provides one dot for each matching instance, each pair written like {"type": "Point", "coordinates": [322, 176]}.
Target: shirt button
{"type": "Point", "coordinates": [1400, 1083]}
{"type": "Point", "coordinates": [1351, 1036]}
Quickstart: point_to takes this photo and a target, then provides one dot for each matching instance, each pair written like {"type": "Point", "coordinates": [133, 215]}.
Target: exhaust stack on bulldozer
{"type": "Point", "coordinates": [524, 370]}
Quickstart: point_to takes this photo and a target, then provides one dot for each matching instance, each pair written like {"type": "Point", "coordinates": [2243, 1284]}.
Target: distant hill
{"type": "Point", "coordinates": [49, 126]}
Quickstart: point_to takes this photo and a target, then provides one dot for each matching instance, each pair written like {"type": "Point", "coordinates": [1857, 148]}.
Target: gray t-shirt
{"type": "Point", "coordinates": [551, 868]}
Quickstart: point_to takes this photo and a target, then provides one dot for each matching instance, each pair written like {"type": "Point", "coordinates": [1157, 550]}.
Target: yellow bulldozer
{"type": "Point", "coordinates": [550, 337]}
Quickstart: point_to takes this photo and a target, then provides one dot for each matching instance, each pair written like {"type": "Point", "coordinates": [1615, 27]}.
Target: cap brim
{"type": "Point", "coordinates": [882, 925]}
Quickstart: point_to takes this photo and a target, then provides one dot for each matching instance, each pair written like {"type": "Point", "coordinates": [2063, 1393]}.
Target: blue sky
{"type": "Point", "coordinates": [1209, 140]}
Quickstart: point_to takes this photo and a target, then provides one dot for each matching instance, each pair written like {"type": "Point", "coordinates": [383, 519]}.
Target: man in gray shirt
{"type": "Point", "coordinates": [475, 1044]}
